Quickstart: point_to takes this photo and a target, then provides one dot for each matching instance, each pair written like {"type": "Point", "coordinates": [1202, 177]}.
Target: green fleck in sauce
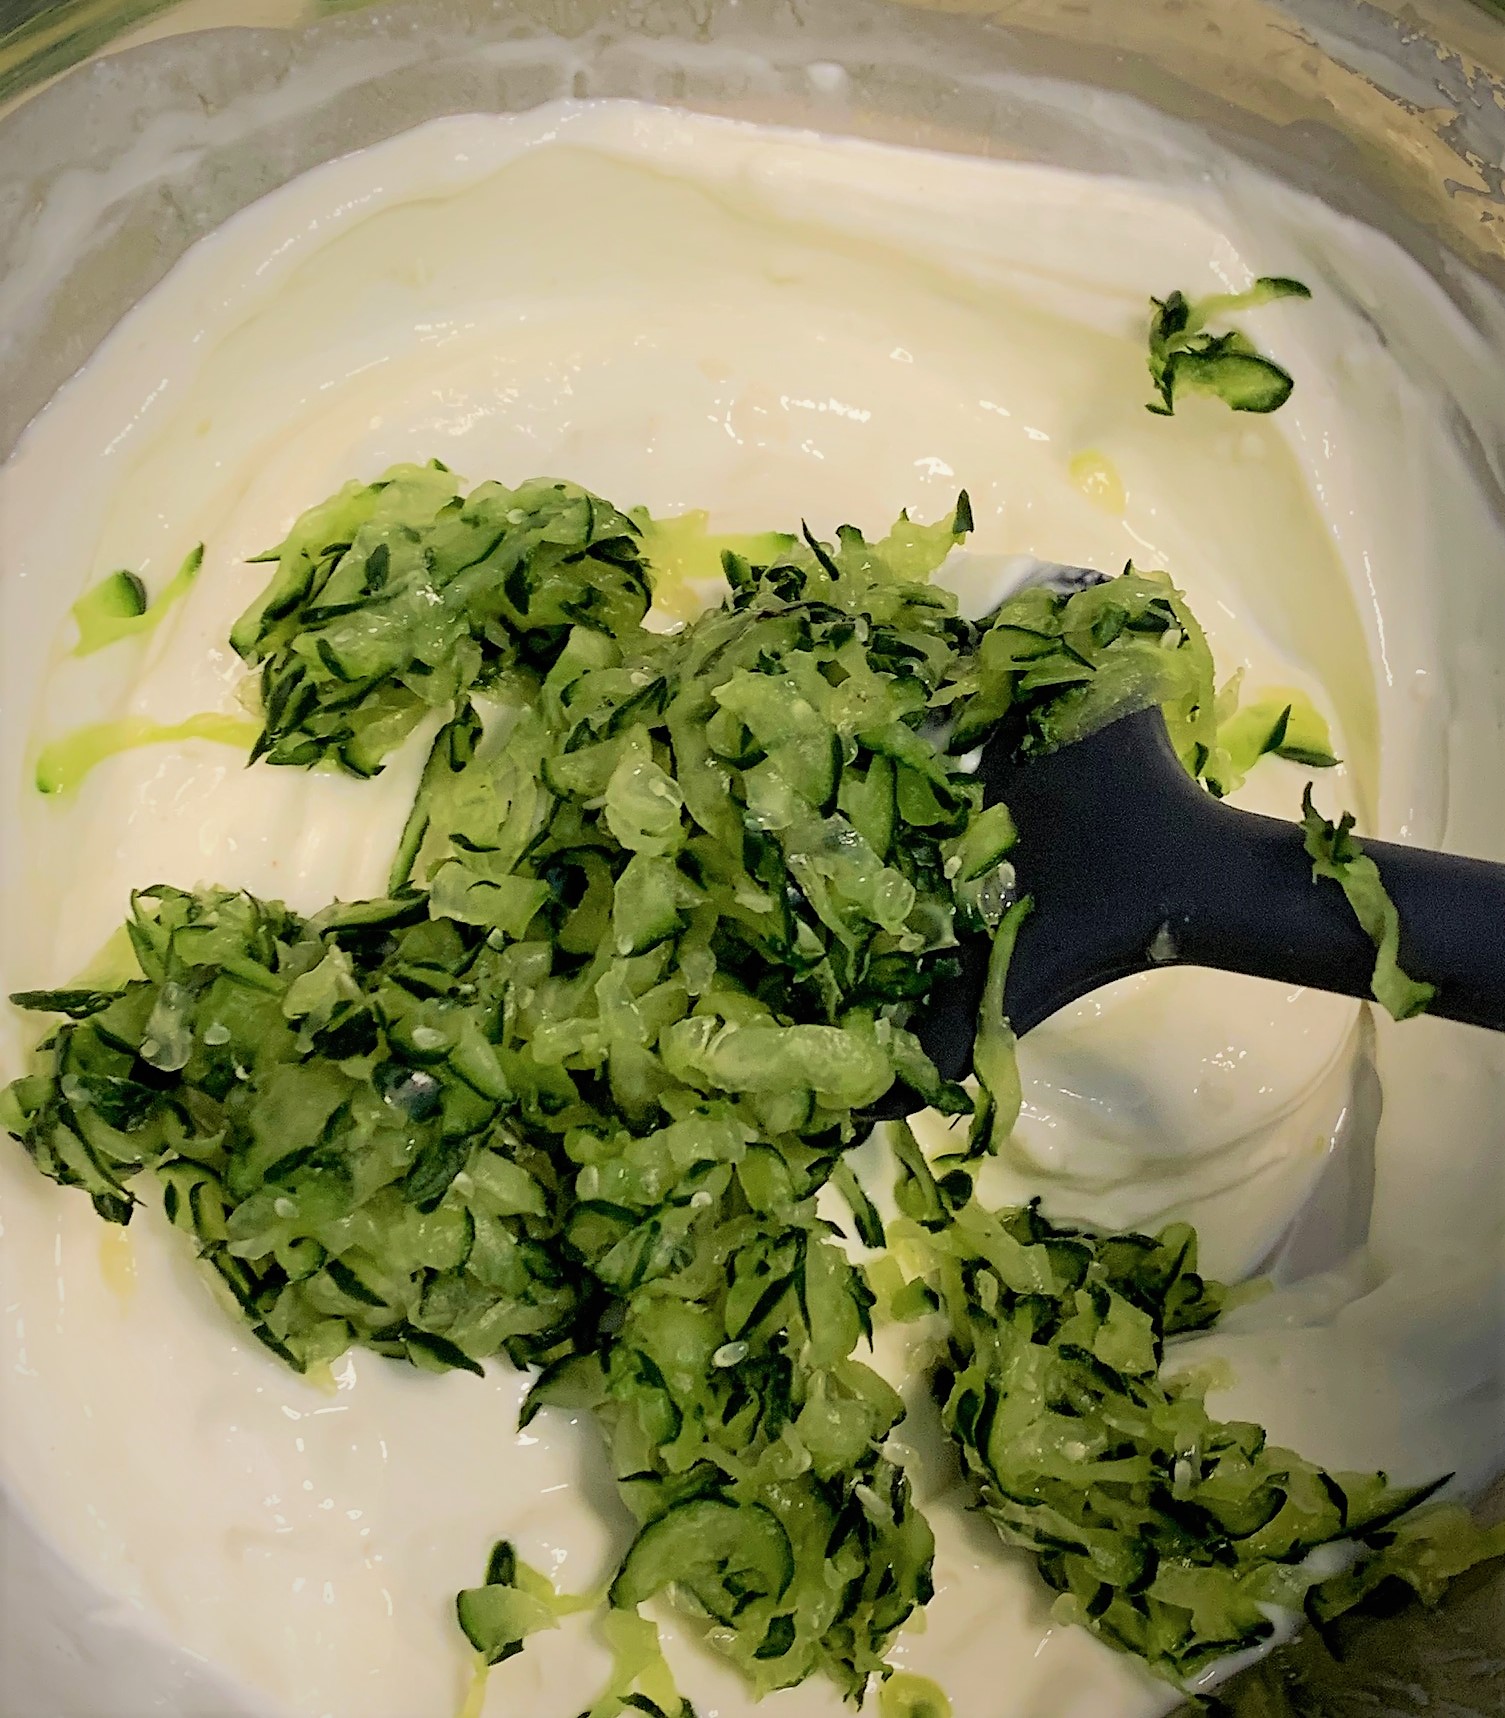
{"type": "Point", "coordinates": [475, 1694]}
{"type": "Point", "coordinates": [906, 1695]}
{"type": "Point", "coordinates": [117, 607]}
{"type": "Point", "coordinates": [65, 763]}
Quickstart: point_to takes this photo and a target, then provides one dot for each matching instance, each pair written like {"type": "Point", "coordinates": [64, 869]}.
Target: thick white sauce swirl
{"type": "Point", "coordinates": [693, 313]}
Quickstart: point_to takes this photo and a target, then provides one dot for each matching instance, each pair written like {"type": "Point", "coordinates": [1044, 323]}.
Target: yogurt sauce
{"type": "Point", "coordinates": [691, 312]}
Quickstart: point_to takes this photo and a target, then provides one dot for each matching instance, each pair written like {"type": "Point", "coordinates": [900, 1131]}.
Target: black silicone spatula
{"type": "Point", "coordinates": [1131, 865]}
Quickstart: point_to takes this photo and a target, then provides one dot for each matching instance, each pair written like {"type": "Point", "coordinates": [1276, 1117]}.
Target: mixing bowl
{"type": "Point", "coordinates": [1392, 113]}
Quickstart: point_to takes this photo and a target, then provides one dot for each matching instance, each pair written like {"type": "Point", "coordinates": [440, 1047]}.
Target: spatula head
{"type": "Point", "coordinates": [1102, 823]}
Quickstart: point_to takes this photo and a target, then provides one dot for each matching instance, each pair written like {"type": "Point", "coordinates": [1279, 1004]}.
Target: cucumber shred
{"type": "Point", "coordinates": [1338, 857]}
{"type": "Point", "coordinates": [498, 1617]}
{"type": "Point", "coordinates": [1282, 723]}
{"type": "Point", "coordinates": [569, 1093]}
{"type": "Point", "coordinates": [118, 607]}
{"type": "Point", "coordinates": [1186, 359]}
{"type": "Point", "coordinates": [724, 1557]}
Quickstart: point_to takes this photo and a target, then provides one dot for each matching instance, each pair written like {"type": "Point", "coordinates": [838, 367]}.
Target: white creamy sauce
{"type": "Point", "coordinates": [693, 313]}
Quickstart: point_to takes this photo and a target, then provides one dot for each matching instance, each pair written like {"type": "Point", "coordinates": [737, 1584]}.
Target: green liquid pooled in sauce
{"type": "Point", "coordinates": [906, 1695]}
{"type": "Point", "coordinates": [64, 764]}
{"type": "Point", "coordinates": [686, 555]}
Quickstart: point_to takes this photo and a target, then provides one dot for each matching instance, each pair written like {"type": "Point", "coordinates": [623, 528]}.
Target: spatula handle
{"type": "Point", "coordinates": [1131, 864]}
{"type": "Point", "coordinates": [1259, 911]}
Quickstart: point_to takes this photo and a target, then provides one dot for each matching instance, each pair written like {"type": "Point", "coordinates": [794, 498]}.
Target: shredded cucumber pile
{"type": "Point", "coordinates": [568, 1093]}
{"type": "Point", "coordinates": [1168, 1533]}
